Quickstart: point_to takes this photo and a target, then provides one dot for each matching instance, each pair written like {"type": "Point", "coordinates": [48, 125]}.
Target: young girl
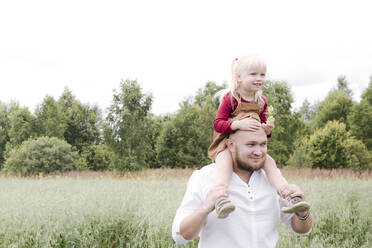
{"type": "Point", "coordinates": [243, 107]}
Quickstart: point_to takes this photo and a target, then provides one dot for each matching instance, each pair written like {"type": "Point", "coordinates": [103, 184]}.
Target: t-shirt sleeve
{"type": "Point", "coordinates": [192, 200]}
{"type": "Point", "coordinates": [221, 124]}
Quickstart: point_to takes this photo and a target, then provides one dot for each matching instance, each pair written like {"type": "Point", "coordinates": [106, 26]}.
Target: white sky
{"type": "Point", "coordinates": [174, 47]}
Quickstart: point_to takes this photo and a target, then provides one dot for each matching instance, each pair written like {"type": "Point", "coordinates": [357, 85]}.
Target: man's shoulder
{"type": "Point", "coordinates": [206, 170]}
{"type": "Point", "coordinates": [204, 173]}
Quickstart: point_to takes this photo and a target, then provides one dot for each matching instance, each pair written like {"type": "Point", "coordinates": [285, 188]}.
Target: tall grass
{"type": "Point", "coordinates": [136, 212]}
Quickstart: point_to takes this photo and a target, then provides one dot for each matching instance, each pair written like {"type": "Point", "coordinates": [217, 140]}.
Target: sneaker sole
{"type": "Point", "coordinates": [300, 207]}
{"type": "Point", "coordinates": [224, 212]}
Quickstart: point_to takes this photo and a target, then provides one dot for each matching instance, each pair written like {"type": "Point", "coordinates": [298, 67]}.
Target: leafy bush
{"type": "Point", "coordinates": [334, 147]}
{"type": "Point", "coordinates": [43, 155]}
{"type": "Point", "coordinates": [95, 157]}
{"type": "Point", "coordinates": [357, 155]}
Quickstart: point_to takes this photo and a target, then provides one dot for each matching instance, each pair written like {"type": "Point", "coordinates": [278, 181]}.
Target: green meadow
{"type": "Point", "coordinates": [102, 210]}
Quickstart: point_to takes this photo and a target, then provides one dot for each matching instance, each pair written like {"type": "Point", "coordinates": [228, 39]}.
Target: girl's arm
{"type": "Point", "coordinates": [246, 124]}
{"type": "Point", "coordinates": [268, 127]}
{"type": "Point", "coordinates": [221, 124]}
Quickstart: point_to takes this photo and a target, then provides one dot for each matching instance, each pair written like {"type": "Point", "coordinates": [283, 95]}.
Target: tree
{"type": "Point", "coordinates": [307, 111]}
{"type": "Point", "coordinates": [343, 85]}
{"type": "Point", "coordinates": [209, 92]}
{"type": "Point", "coordinates": [186, 136]}
{"type": "Point", "coordinates": [82, 121]}
{"type": "Point", "coordinates": [336, 106]}
{"type": "Point", "coordinates": [4, 129]}
{"type": "Point", "coordinates": [367, 94]}
{"type": "Point", "coordinates": [360, 118]}
{"type": "Point", "coordinates": [287, 124]}
{"type": "Point", "coordinates": [50, 119]}
{"type": "Point", "coordinates": [127, 124]}
{"type": "Point", "coordinates": [156, 126]}
{"type": "Point", "coordinates": [22, 126]}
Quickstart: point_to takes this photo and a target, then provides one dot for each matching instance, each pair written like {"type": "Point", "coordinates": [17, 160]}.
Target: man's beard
{"type": "Point", "coordinates": [243, 165]}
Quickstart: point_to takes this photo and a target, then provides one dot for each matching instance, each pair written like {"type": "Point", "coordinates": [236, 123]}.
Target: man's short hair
{"type": "Point", "coordinates": [234, 134]}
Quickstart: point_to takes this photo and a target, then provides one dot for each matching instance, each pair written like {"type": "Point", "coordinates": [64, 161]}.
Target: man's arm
{"type": "Point", "coordinates": [302, 222]}
{"type": "Point", "coordinates": [191, 225]}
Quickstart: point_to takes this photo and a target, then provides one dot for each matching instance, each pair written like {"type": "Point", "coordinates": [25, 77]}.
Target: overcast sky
{"type": "Point", "coordinates": [174, 47]}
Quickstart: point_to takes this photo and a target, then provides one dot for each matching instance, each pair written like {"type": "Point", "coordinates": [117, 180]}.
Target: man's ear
{"type": "Point", "coordinates": [230, 145]}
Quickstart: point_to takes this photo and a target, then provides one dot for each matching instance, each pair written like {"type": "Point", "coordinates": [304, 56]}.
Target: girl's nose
{"type": "Point", "coordinates": [260, 77]}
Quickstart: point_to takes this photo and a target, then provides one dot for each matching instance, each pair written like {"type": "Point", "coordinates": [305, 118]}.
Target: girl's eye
{"type": "Point", "coordinates": [253, 73]}
{"type": "Point", "coordinates": [263, 74]}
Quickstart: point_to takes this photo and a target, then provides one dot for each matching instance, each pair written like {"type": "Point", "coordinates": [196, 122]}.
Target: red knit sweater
{"type": "Point", "coordinates": [221, 124]}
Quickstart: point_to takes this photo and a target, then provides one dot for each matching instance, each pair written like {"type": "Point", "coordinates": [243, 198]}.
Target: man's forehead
{"type": "Point", "coordinates": [249, 136]}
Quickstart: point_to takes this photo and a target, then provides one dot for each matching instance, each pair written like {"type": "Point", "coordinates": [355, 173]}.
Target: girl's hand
{"type": "Point", "coordinates": [248, 124]}
{"type": "Point", "coordinates": [292, 190]}
{"type": "Point", "coordinates": [268, 127]}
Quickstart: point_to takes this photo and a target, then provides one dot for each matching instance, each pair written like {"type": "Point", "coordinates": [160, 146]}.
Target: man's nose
{"type": "Point", "coordinates": [257, 151]}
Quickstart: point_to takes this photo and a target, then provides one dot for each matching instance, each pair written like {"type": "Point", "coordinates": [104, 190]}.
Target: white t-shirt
{"type": "Point", "coordinates": [253, 224]}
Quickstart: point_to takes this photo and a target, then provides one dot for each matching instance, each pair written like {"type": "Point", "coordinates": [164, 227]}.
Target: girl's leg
{"type": "Point", "coordinates": [274, 176]}
{"type": "Point", "coordinates": [224, 165]}
{"type": "Point", "coordinates": [292, 205]}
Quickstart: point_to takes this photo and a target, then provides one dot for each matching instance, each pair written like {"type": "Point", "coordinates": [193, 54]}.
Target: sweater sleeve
{"type": "Point", "coordinates": [263, 115]}
{"type": "Point", "coordinates": [221, 124]}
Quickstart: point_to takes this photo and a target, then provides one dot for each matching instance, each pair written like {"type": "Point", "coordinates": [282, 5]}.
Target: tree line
{"type": "Point", "coordinates": [65, 134]}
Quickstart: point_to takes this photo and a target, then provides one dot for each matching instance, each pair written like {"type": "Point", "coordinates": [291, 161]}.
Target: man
{"type": "Point", "coordinates": [255, 221]}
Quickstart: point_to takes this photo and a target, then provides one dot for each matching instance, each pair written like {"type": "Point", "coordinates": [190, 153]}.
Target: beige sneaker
{"type": "Point", "coordinates": [224, 207]}
{"type": "Point", "coordinates": [295, 205]}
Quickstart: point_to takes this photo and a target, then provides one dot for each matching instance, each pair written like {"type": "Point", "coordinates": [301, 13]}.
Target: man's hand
{"type": "Point", "coordinates": [268, 127]}
{"type": "Point", "coordinates": [191, 225]}
{"type": "Point", "coordinates": [214, 193]}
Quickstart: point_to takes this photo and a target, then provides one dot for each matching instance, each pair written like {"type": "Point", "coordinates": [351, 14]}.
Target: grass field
{"type": "Point", "coordinates": [106, 210]}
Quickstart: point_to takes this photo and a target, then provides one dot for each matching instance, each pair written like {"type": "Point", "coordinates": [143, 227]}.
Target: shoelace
{"type": "Point", "coordinates": [293, 200]}
{"type": "Point", "coordinates": [220, 203]}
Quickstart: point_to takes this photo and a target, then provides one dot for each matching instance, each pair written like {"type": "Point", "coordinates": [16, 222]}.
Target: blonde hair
{"type": "Point", "coordinates": [239, 65]}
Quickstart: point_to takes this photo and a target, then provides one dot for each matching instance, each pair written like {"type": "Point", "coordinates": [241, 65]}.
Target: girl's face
{"type": "Point", "coordinates": [252, 80]}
